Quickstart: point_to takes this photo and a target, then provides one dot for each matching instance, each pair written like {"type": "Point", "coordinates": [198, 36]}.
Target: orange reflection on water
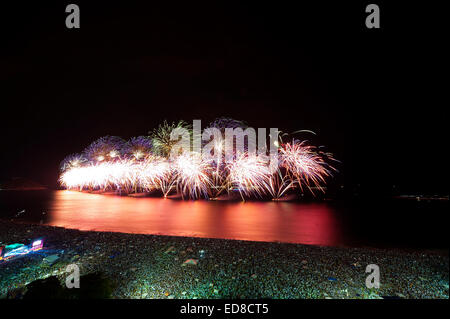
{"type": "Point", "coordinates": [315, 224]}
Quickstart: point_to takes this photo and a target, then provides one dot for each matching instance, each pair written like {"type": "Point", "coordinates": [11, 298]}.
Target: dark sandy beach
{"type": "Point", "coordinates": [147, 266]}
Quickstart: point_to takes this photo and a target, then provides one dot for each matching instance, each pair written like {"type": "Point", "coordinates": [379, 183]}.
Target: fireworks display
{"type": "Point", "coordinates": [192, 176]}
{"type": "Point", "coordinates": [249, 174]}
{"type": "Point", "coordinates": [138, 147]}
{"type": "Point", "coordinates": [162, 142]}
{"type": "Point", "coordinates": [143, 165]}
{"type": "Point", "coordinates": [105, 148]}
{"type": "Point", "coordinates": [305, 164]}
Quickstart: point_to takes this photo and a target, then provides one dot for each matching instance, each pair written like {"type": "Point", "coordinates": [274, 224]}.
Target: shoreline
{"type": "Point", "coordinates": [401, 249]}
{"type": "Point", "coordinates": [153, 266]}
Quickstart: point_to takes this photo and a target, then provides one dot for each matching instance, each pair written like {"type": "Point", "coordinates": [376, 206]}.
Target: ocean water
{"type": "Point", "coordinates": [376, 223]}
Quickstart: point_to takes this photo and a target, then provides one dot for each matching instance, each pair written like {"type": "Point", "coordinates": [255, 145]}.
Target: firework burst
{"type": "Point", "coordinates": [155, 173]}
{"type": "Point", "coordinates": [250, 174]}
{"type": "Point", "coordinates": [138, 148]}
{"type": "Point", "coordinates": [72, 161]}
{"type": "Point", "coordinates": [105, 148]}
{"type": "Point", "coordinates": [305, 165]}
{"type": "Point", "coordinates": [278, 184]}
{"type": "Point", "coordinates": [162, 143]}
{"type": "Point", "coordinates": [192, 176]}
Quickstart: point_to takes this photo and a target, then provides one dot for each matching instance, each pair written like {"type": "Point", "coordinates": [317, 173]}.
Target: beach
{"type": "Point", "coordinates": [151, 266]}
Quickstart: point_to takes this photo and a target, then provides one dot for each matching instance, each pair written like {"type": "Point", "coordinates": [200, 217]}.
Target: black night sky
{"type": "Point", "coordinates": [368, 94]}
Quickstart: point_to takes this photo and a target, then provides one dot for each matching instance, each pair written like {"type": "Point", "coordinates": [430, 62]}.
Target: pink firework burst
{"type": "Point", "coordinates": [304, 164]}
